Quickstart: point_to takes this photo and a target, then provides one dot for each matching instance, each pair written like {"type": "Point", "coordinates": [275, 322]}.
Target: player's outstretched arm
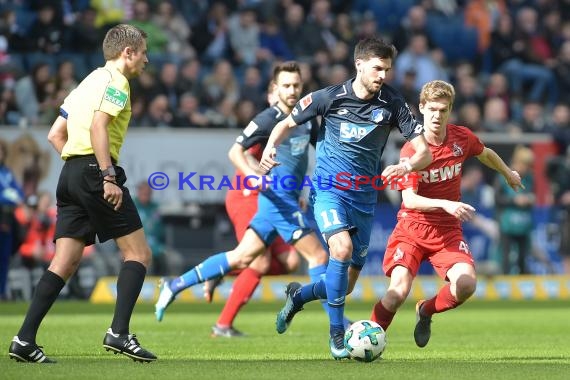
{"type": "Point", "coordinates": [420, 159]}
{"type": "Point", "coordinates": [460, 210]}
{"type": "Point", "coordinates": [57, 135]}
{"type": "Point", "coordinates": [491, 159]}
{"type": "Point", "coordinates": [279, 132]}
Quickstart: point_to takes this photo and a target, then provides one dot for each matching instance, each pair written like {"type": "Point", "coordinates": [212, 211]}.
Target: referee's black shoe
{"type": "Point", "coordinates": [127, 344]}
{"type": "Point", "coordinates": [27, 352]}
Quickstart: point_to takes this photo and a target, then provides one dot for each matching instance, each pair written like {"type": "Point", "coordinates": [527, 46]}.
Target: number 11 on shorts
{"type": "Point", "coordinates": [334, 216]}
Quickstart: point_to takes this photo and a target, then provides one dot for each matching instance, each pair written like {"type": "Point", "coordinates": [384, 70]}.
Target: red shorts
{"type": "Point", "coordinates": [241, 206]}
{"type": "Point", "coordinates": [411, 243]}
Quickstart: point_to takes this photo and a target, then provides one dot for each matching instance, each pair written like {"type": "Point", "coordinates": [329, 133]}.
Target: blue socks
{"type": "Point", "coordinates": [336, 285]}
{"type": "Point", "coordinates": [213, 267]}
{"type": "Point", "coordinates": [317, 275]}
{"type": "Point", "coordinates": [316, 291]}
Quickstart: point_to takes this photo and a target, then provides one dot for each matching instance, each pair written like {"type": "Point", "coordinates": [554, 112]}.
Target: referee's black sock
{"type": "Point", "coordinates": [129, 285]}
{"type": "Point", "coordinates": [46, 293]}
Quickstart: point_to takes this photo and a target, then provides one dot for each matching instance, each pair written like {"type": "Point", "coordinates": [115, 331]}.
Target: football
{"type": "Point", "coordinates": [365, 340]}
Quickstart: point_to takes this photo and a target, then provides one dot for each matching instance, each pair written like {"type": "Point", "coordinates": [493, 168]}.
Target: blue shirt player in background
{"type": "Point", "coordinates": [278, 209]}
{"type": "Point", "coordinates": [357, 117]}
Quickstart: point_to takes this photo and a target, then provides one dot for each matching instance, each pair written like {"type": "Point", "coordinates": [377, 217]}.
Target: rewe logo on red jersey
{"type": "Point", "coordinates": [440, 174]}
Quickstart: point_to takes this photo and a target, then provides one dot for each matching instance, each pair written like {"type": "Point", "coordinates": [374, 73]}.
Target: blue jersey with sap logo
{"type": "Point", "coordinates": [352, 136]}
{"type": "Point", "coordinates": [285, 180]}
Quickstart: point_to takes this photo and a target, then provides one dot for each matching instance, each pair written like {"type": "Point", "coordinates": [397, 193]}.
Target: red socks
{"type": "Point", "coordinates": [381, 315]}
{"type": "Point", "coordinates": [443, 301]}
{"type": "Point", "coordinates": [242, 290]}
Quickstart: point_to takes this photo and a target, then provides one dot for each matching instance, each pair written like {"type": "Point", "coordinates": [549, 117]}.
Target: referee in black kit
{"type": "Point", "coordinates": [91, 197]}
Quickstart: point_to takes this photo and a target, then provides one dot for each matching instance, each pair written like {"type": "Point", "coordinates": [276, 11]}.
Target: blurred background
{"type": "Point", "coordinates": [210, 63]}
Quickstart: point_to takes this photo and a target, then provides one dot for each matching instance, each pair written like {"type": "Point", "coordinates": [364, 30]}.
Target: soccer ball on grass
{"type": "Point", "coordinates": [365, 340]}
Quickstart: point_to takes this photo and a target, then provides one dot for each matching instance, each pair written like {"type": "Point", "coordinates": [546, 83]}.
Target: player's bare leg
{"type": "Point", "coordinates": [215, 266]}
{"type": "Point", "coordinates": [461, 286]}
{"type": "Point", "coordinates": [396, 294]}
{"type": "Point", "coordinates": [243, 288]}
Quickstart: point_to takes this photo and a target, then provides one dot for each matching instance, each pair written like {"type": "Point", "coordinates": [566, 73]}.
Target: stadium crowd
{"type": "Point", "coordinates": [210, 60]}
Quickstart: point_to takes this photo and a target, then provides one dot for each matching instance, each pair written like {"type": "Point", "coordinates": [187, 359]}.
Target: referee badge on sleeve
{"type": "Point", "coordinates": [115, 96]}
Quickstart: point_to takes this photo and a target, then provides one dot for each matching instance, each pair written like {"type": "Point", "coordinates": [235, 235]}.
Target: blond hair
{"type": "Point", "coordinates": [121, 36]}
{"type": "Point", "coordinates": [522, 155]}
{"type": "Point", "coordinates": [437, 89]}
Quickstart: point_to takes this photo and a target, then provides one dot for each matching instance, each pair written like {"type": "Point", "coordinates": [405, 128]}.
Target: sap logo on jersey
{"type": "Point", "coordinates": [350, 132]}
{"type": "Point", "coordinates": [441, 174]}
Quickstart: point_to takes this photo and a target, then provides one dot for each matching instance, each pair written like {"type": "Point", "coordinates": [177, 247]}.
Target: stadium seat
{"type": "Point", "coordinates": [25, 18]}
{"type": "Point", "coordinates": [388, 13]}
{"type": "Point", "coordinates": [19, 284]}
{"type": "Point", "coordinates": [79, 63]}
{"type": "Point", "coordinates": [457, 41]}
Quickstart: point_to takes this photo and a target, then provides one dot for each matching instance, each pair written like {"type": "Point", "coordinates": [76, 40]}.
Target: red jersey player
{"type": "Point", "coordinates": [429, 221]}
{"type": "Point", "coordinates": [280, 257]}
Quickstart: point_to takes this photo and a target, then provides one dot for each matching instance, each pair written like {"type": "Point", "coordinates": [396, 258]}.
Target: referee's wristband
{"type": "Point", "coordinates": [408, 166]}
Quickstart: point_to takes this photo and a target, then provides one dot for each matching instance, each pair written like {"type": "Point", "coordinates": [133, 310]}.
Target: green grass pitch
{"type": "Point", "coordinates": [481, 340]}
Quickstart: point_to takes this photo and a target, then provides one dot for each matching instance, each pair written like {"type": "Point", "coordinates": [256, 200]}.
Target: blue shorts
{"type": "Point", "coordinates": [335, 214]}
{"type": "Point", "coordinates": [279, 216]}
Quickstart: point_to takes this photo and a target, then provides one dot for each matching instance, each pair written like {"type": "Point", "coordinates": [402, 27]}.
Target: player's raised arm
{"type": "Point", "coordinates": [414, 133]}
{"type": "Point", "coordinates": [422, 157]}
{"type": "Point", "coordinates": [491, 159]}
{"type": "Point", "coordinates": [280, 132]}
{"type": "Point", "coordinates": [419, 160]}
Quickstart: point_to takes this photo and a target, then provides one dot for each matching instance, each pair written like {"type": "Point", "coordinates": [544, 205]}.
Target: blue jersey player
{"type": "Point", "coordinates": [357, 117]}
{"type": "Point", "coordinates": [278, 203]}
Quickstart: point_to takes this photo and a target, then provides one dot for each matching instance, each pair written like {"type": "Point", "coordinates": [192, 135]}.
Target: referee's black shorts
{"type": "Point", "coordinates": [82, 212]}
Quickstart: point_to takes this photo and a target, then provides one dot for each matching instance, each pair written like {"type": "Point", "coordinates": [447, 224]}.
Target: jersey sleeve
{"type": "Point", "coordinates": [476, 146]}
{"type": "Point", "coordinates": [257, 131]}
{"type": "Point", "coordinates": [311, 105]}
{"type": "Point", "coordinates": [115, 94]}
{"type": "Point", "coordinates": [406, 152]}
{"type": "Point", "coordinates": [407, 123]}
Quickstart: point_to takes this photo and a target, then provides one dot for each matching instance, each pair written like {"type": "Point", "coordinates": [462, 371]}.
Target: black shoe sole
{"type": "Point", "coordinates": [134, 357]}
{"type": "Point", "coordinates": [20, 359]}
